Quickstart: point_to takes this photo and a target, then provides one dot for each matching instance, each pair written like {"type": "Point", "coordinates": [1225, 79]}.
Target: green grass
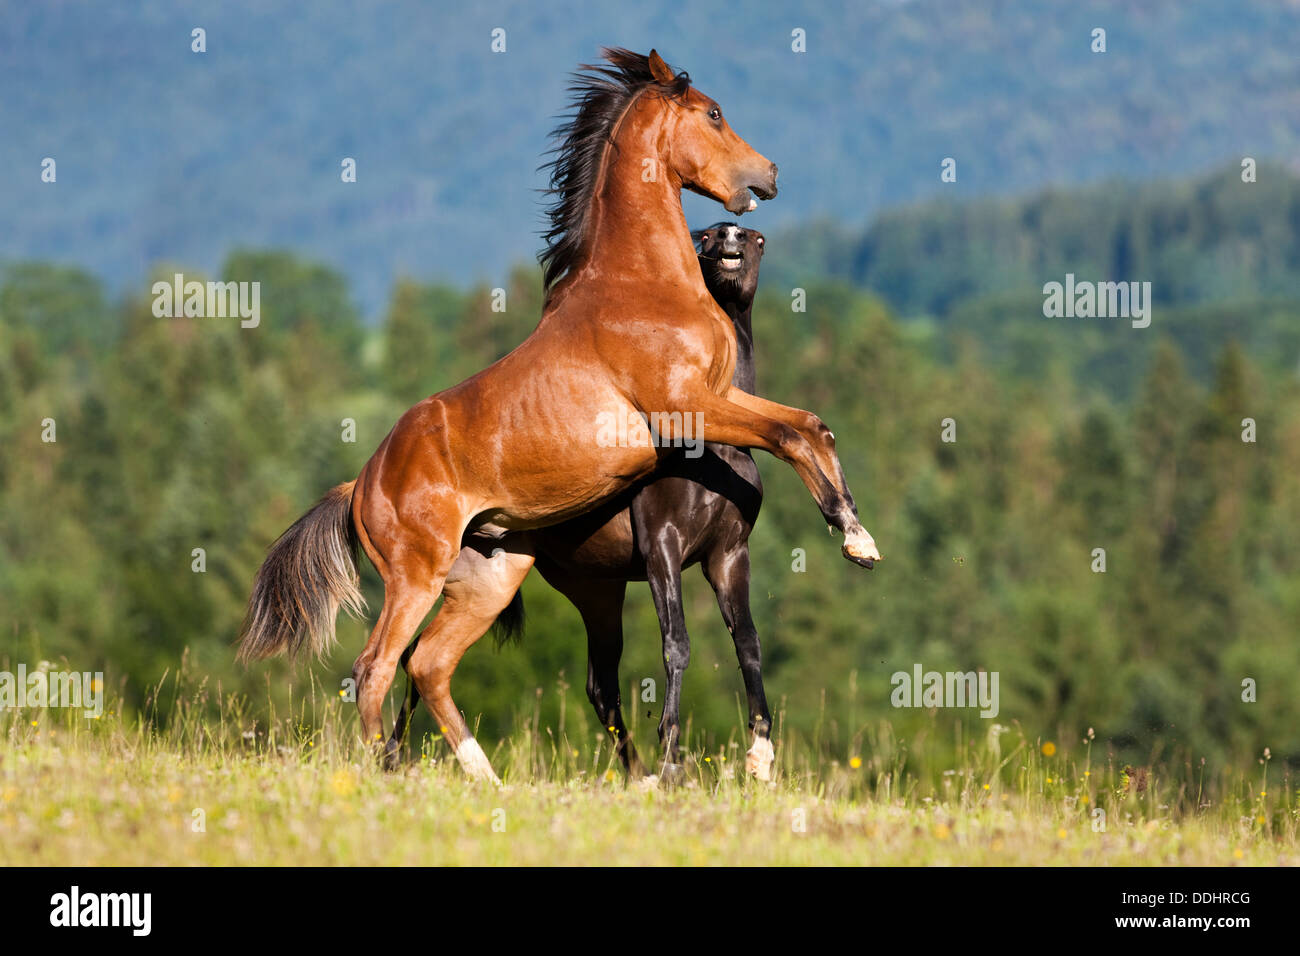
{"type": "Point", "coordinates": [301, 789]}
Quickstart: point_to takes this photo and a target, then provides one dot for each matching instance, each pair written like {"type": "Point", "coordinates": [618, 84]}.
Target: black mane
{"type": "Point", "coordinates": [599, 96]}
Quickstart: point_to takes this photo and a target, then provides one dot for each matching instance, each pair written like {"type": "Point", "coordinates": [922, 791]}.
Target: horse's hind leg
{"type": "Point", "coordinates": [662, 549]}
{"type": "Point", "coordinates": [413, 540]}
{"type": "Point", "coordinates": [600, 602]}
{"type": "Point", "coordinates": [410, 590]}
{"type": "Point", "coordinates": [473, 596]}
{"type": "Point", "coordinates": [473, 560]}
{"type": "Point", "coordinates": [728, 573]}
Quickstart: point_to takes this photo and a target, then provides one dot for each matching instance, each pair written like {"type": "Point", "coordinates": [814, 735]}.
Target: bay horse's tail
{"type": "Point", "coordinates": [310, 572]}
{"type": "Point", "coordinates": [508, 628]}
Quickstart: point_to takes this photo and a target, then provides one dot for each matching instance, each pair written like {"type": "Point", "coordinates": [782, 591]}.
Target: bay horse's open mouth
{"type": "Point", "coordinates": [743, 201]}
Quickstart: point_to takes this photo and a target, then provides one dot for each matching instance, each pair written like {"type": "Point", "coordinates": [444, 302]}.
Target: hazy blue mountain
{"type": "Point", "coordinates": [168, 155]}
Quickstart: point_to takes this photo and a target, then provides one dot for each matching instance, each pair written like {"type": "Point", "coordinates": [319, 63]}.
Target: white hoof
{"type": "Point", "coordinates": [859, 546]}
{"type": "Point", "coordinates": [759, 759]}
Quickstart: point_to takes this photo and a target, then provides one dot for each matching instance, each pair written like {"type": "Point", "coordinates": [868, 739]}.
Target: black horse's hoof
{"type": "Point", "coordinates": [392, 757]}
{"type": "Point", "coordinates": [672, 775]}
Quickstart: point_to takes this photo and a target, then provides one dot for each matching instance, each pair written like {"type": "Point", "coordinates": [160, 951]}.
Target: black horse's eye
{"type": "Point", "coordinates": [715, 114]}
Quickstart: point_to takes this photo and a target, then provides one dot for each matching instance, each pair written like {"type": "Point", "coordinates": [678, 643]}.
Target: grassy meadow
{"type": "Point", "coordinates": [173, 786]}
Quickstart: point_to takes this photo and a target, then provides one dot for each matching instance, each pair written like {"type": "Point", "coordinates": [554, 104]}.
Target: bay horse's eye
{"type": "Point", "coordinates": [715, 114]}
{"type": "Point", "coordinates": [760, 240]}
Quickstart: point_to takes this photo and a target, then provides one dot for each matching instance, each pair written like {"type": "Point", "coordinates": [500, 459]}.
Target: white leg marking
{"type": "Point", "coordinates": [475, 762]}
{"type": "Point", "coordinates": [759, 759]}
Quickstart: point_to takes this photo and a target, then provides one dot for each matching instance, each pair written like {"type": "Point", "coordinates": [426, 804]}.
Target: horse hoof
{"type": "Point", "coordinates": [390, 758]}
{"type": "Point", "coordinates": [475, 763]}
{"type": "Point", "coordinates": [759, 759]}
{"type": "Point", "coordinates": [860, 548]}
{"type": "Point", "coordinates": [672, 774]}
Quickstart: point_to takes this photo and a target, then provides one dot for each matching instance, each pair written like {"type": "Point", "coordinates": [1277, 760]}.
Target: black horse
{"type": "Point", "coordinates": [692, 510]}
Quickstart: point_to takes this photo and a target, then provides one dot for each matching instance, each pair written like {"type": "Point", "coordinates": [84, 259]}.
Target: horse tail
{"type": "Point", "coordinates": [508, 628]}
{"type": "Point", "coordinates": [310, 572]}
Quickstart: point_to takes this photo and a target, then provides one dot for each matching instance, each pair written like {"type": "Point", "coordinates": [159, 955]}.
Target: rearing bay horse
{"type": "Point", "coordinates": [628, 330]}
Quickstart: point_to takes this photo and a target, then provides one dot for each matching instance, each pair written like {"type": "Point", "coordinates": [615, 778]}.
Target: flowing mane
{"type": "Point", "coordinates": [599, 95]}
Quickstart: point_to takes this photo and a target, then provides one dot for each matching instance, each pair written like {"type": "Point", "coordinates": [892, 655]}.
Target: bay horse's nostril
{"type": "Point", "coordinates": [774, 172]}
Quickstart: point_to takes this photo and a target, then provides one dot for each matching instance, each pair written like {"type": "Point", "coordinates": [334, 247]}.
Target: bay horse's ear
{"type": "Point", "coordinates": [659, 69]}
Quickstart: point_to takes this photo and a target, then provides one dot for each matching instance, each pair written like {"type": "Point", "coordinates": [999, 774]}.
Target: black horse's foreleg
{"type": "Point", "coordinates": [728, 573]}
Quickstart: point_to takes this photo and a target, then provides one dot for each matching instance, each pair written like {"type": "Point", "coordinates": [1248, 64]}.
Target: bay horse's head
{"type": "Point", "coordinates": [729, 259]}
{"type": "Point", "coordinates": [639, 98]}
{"type": "Point", "coordinates": [705, 152]}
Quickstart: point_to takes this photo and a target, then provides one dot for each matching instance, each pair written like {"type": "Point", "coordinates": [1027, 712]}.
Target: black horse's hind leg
{"type": "Point", "coordinates": [600, 602]}
{"type": "Point", "coordinates": [662, 550]}
{"type": "Point", "coordinates": [392, 751]}
{"type": "Point", "coordinates": [728, 572]}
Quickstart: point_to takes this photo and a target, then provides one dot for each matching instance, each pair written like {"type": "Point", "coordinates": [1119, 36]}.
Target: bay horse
{"type": "Point", "coordinates": [628, 329]}
{"type": "Point", "coordinates": [693, 510]}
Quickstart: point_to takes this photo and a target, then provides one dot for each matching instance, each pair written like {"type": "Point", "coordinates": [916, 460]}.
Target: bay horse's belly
{"type": "Point", "coordinates": [549, 451]}
{"type": "Point", "coordinates": [549, 492]}
{"type": "Point", "coordinates": [712, 502]}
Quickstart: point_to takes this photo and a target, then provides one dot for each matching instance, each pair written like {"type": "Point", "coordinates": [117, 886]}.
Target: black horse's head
{"type": "Point", "coordinates": [729, 258]}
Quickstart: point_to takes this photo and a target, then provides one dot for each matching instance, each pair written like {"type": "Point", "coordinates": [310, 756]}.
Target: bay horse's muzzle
{"type": "Point", "coordinates": [742, 201]}
{"type": "Point", "coordinates": [764, 187]}
{"type": "Point", "coordinates": [766, 190]}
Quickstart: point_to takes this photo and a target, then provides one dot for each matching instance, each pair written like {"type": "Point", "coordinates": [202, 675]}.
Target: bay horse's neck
{"type": "Point", "coordinates": [636, 218]}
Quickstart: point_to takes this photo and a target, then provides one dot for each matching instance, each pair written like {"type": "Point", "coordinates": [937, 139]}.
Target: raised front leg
{"type": "Point", "coordinates": [802, 442]}
{"type": "Point", "coordinates": [859, 546]}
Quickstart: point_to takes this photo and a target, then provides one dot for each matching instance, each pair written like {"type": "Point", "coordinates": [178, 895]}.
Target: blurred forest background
{"type": "Point", "coordinates": [1072, 434]}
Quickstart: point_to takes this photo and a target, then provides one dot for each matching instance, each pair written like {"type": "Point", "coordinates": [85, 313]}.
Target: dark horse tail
{"type": "Point", "coordinates": [508, 628]}
{"type": "Point", "coordinates": [310, 572]}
